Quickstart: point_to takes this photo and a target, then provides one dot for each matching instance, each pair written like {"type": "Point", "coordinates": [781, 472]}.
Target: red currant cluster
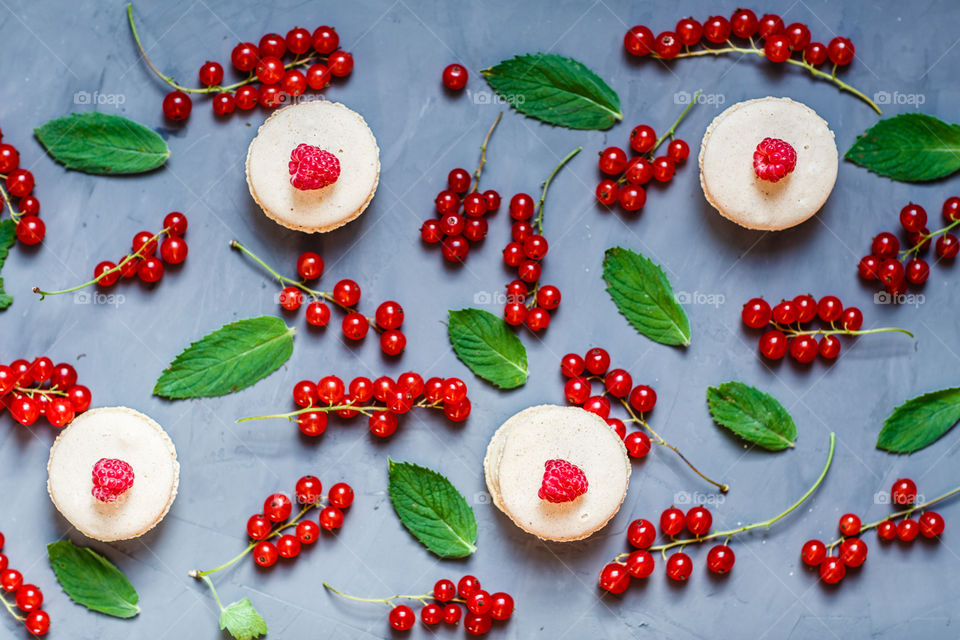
{"type": "Point", "coordinates": [41, 388]}
{"type": "Point", "coordinates": [398, 397]}
{"type": "Point", "coordinates": [455, 76]}
{"type": "Point", "coordinates": [346, 294]}
{"type": "Point", "coordinates": [631, 174]}
{"type": "Point", "coordinates": [27, 597]}
{"type": "Point", "coordinates": [895, 269]}
{"type": "Point", "coordinates": [788, 334]}
{"type": "Point", "coordinates": [617, 383]}
{"type": "Point", "coordinates": [852, 550]}
{"type": "Point", "coordinates": [317, 54]}
{"type": "Point", "coordinates": [615, 576]}
{"type": "Point", "coordinates": [443, 605]}
{"type": "Point", "coordinates": [462, 209]}
{"type": "Point", "coordinates": [18, 183]}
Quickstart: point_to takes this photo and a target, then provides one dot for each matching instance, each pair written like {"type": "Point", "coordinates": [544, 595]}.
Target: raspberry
{"type": "Point", "coordinates": [562, 482]}
{"type": "Point", "coordinates": [312, 167]}
{"type": "Point", "coordinates": [111, 477]}
{"type": "Point", "coordinates": [774, 159]}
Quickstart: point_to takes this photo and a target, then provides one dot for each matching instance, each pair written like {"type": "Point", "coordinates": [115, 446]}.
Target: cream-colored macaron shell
{"type": "Point", "coordinates": [514, 467]}
{"type": "Point", "coordinates": [726, 163]}
{"type": "Point", "coordinates": [113, 432]}
{"type": "Point", "coordinates": [332, 127]}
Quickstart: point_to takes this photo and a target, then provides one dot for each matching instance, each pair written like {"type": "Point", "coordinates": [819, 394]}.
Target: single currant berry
{"type": "Point", "coordinates": [224, 104]}
{"type": "Point", "coordinates": [813, 553]}
{"type": "Point", "coordinates": [288, 546]}
{"type": "Point", "coordinates": [849, 524]}
{"type": "Point", "coordinates": [612, 161]}
{"type": "Point", "coordinates": [917, 271]}
{"type": "Point", "coordinates": [272, 44]}
{"type": "Point", "coordinates": [177, 105]}
{"type": "Point", "coordinates": [640, 564]}
{"type": "Point", "coordinates": [841, 51]}
{"type": "Point", "coordinates": [452, 613]}
{"type": "Point", "coordinates": [599, 405]}
{"type": "Point", "coordinates": [60, 412]}
{"type": "Point", "coordinates": [535, 247]}
{"type": "Point", "coordinates": [515, 313]}
{"type": "Point", "coordinates": [457, 411]}
{"type": "Point", "coordinates": [679, 566]}
{"type": "Point", "coordinates": [632, 198]}
{"type": "Point", "coordinates": [639, 171]}
{"type": "Point", "coordinates": [770, 24]}
{"type": "Point", "coordinates": [340, 495]}
{"type": "Point", "coordinates": [308, 490]}
{"type": "Point", "coordinates": [907, 529]}
{"type": "Point", "coordinates": [699, 520]}
{"type": "Point", "coordinates": [265, 553]}
{"type": "Point", "coordinates": [517, 291]}
{"type": "Point", "coordinates": [663, 169]}
{"type": "Point", "coordinates": [501, 606]}
{"type": "Point", "coordinates": [211, 74]}
{"type": "Point", "coordinates": [467, 586]}
{"type": "Point", "coordinates": [475, 229]}
{"type": "Point", "coordinates": [389, 315]}
{"type": "Point", "coordinates": [920, 239]}
{"type": "Point", "coordinates": [667, 45]}
{"type": "Point", "coordinates": [430, 231]}
{"type": "Point", "coordinates": [9, 158]}
{"type": "Point", "coordinates": [885, 245]}
{"type": "Point", "coordinates": [299, 40]}
{"type": "Point", "coordinates": [521, 207]}
{"type": "Point", "coordinates": [150, 269]}
{"type": "Point", "coordinates": [548, 297]}
{"type": "Point", "coordinates": [307, 531]}
{"type": "Point", "coordinates": [31, 230]}
{"type": "Point", "coordinates": [887, 530]}
{"type": "Point", "coordinates": [537, 319]}
{"type": "Point", "coordinates": [340, 63]}
{"type": "Point", "coordinates": [245, 56]}
{"type": "Point", "coordinates": [529, 271]}
{"type": "Point", "coordinates": [716, 29]}
{"type": "Point", "coordinates": [639, 41]}
{"type": "Point", "coordinates": [318, 313]}
{"type": "Point", "coordinates": [479, 603]}
{"type": "Point", "coordinates": [477, 624]}
{"type": "Point", "coordinates": [318, 76]}
{"type": "Point", "coordinates": [798, 34]}
{"type": "Point", "coordinates": [720, 559]}
{"type": "Point", "coordinates": [806, 306]}
{"type": "Point", "coordinates": [30, 206]}
{"type": "Point", "coordinates": [325, 39]}
{"type": "Point", "coordinates": [175, 223]}
{"type": "Point", "coordinates": [330, 390]}
{"type": "Point", "coordinates": [641, 533]}
{"type": "Point", "coordinates": [431, 614]}
{"type": "Point", "coordinates": [79, 396]}
{"type": "Point", "coordinates": [258, 527]}
{"type": "Point", "coordinates": [10, 580]}
{"type": "Point", "coordinates": [454, 390]}
{"type": "Point", "coordinates": [293, 83]}
{"type": "Point", "coordinates": [637, 444]}
{"type": "Point", "coordinates": [678, 150]}
{"type": "Point", "coordinates": [689, 31]}
{"type": "Point", "coordinates": [382, 423]}
{"type": "Point", "coordinates": [576, 390]}
{"type": "Point", "coordinates": [444, 590]}
{"type": "Point", "coordinates": [951, 206]}
{"type": "Point", "coordinates": [402, 618]}
{"type": "Point", "coordinates": [777, 48]}
{"type": "Point", "coordinates": [452, 224]}
{"type": "Point", "coordinates": [331, 518]}
{"type": "Point", "coordinates": [931, 524]}
{"type": "Point", "coordinates": [455, 77]}
{"type": "Point", "coordinates": [672, 521]}
{"type": "Point", "coordinates": [618, 383]}
{"type": "Point", "coordinates": [832, 570]}
{"type": "Point", "coordinates": [173, 250]}
{"type": "Point", "coordinates": [37, 622]}
{"type": "Point", "coordinates": [106, 273]}
{"type": "Point", "coordinates": [643, 398]}
{"type": "Point", "coordinates": [269, 96]}
{"type": "Point", "coordinates": [851, 319]}
{"type": "Point", "coordinates": [29, 597]}
{"type": "Point", "coordinates": [815, 53]}
{"type": "Point", "coordinates": [892, 272]}
{"type": "Point", "coordinates": [355, 326]}
{"type": "Point", "coordinates": [572, 365]}
{"type": "Point", "coordinates": [947, 246]}
{"type": "Point", "coordinates": [455, 249]}
{"type": "Point", "coordinates": [853, 552]}
{"type": "Point", "coordinates": [829, 308]}
{"type": "Point", "coordinates": [756, 313]}
{"type": "Point", "coordinates": [829, 347]}
{"type": "Point", "coordinates": [913, 217]}
{"type": "Point", "coordinates": [310, 265]}
{"type": "Point", "coordinates": [458, 180]}
{"type": "Point", "coordinates": [290, 298]}
{"type": "Point", "coordinates": [774, 159]}
{"type": "Point", "coordinates": [246, 97]}
{"type": "Point", "coordinates": [869, 267]}
{"type": "Point", "coordinates": [903, 491]}
{"type": "Point", "coordinates": [743, 23]}
{"type": "Point", "coordinates": [277, 507]}
{"type": "Point", "coordinates": [785, 312]}
{"type": "Point", "coordinates": [642, 138]}
{"type": "Point", "coordinates": [597, 361]}
{"type": "Point", "coordinates": [614, 578]}
{"type": "Point", "coordinates": [64, 376]}
{"type": "Point", "coordinates": [492, 199]}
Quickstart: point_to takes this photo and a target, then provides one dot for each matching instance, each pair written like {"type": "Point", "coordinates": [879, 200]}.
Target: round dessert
{"type": "Point", "coordinates": [768, 163]}
{"type": "Point", "coordinates": [313, 166]}
{"type": "Point", "coordinates": [113, 473]}
{"type": "Point", "coordinates": [560, 473]}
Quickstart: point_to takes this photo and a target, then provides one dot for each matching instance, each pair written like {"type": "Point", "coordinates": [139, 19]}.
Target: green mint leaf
{"type": "Point", "coordinates": [643, 294]}
{"type": "Point", "coordinates": [555, 90]}
{"type": "Point", "coordinates": [910, 147]}
{"type": "Point", "coordinates": [920, 421]}
{"type": "Point", "coordinates": [486, 344]}
{"type": "Point", "coordinates": [231, 358]}
{"type": "Point", "coordinates": [242, 621]}
{"type": "Point", "coordinates": [91, 580]}
{"type": "Point", "coordinates": [102, 144]}
{"type": "Point", "coordinates": [432, 510]}
{"type": "Point", "coordinates": [753, 415]}
{"type": "Point", "coordinates": [8, 235]}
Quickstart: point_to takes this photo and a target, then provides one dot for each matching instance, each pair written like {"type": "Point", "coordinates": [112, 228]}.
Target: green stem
{"type": "Point", "coordinates": [422, 598]}
{"type": "Point", "coordinates": [213, 590]}
{"type": "Point", "coordinates": [11, 609]}
{"type": "Point", "coordinates": [133, 256]}
{"type": "Point", "coordinates": [843, 332]}
{"type": "Point", "coordinates": [673, 128]}
{"type": "Point", "coordinates": [298, 62]}
{"type": "Point", "coordinates": [365, 410]}
{"type": "Point", "coordinates": [14, 214]}
{"type": "Point", "coordinates": [831, 77]}
{"type": "Point", "coordinates": [915, 249]}
{"type": "Point", "coordinates": [538, 221]}
{"type": "Point", "coordinates": [766, 524]}
{"type": "Point", "coordinates": [483, 153]}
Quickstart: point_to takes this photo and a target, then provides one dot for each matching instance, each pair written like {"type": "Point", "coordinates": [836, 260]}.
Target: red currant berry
{"type": "Point", "coordinates": [689, 31]}
{"type": "Point", "coordinates": [37, 622]}
{"type": "Point", "coordinates": [30, 206]}
{"type": "Point", "coordinates": [79, 396]}
{"type": "Point", "coordinates": [293, 83]}
{"type": "Point", "coordinates": [667, 45]}
{"type": "Point", "coordinates": [307, 531]}
{"type": "Point", "coordinates": [841, 51]}
{"type": "Point", "coordinates": [458, 180]}
{"type": "Point", "coordinates": [639, 41]}
{"type": "Point", "coordinates": [849, 524]}
{"type": "Point", "coordinates": [173, 250]}
{"type": "Point", "coordinates": [598, 405]}
{"type": "Point", "coordinates": [258, 527]}
{"type": "Point", "coordinates": [291, 298]}
{"type": "Point", "coordinates": [832, 570]}
{"type": "Point", "coordinates": [211, 73]}
{"type": "Point", "coordinates": [515, 313]}
{"type": "Point", "coordinates": [720, 559]}
{"type": "Point", "coordinates": [340, 63]}
{"type": "Point", "coordinates": [743, 23]}
{"type": "Point", "coordinates": [31, 230]}
{"type": "Point", "coordinates": [679, 566]}
{"type": "Point", "coordinates": [632, 198]}
{"type": "Point", "coordinates": [642, 138]}
{"type": "Point", "coordinates": [777, 48]}
{"type": "Point", "coordinates": [269, 96]}
{"type": "Point", "coordinates": [917, 271]}
{"type": "Point", "coordinates": [355, 326]}
{"type": "Point", "coordinates": [64, 376]}
{"type": "Point", "coordinates": [455, 77]}
{"type": "Point", "coordinates": [245, 56]}
{"type": "Point", "coordinates": [672, 521]}
{"type": "Point", "coordinates": [931, 524]}
{"type": "Point", "coordinates": [331, 518]}
{"type": "Point", "coordinates": [678, 150]}
{"type": "Point", "coordinates": [223, 104]}
{"type": "Point", "coordinates": [177, 105]}
{"type": "Point", "coordinates": [699, 520]}
{"type": "Point", "coordinates": [903, 491]}
{"type": "Point", "coordinates": [272, 44]}
{"type": "Point", "coordinates": [501, 606]}
{"type": "Point", "coordinates": [770, 24]}
{"type": "Point", "coordinates": [887, 530]}
{"type": "Point", "coordinates": [920, 240]}
{"type": "Point", "coordinates": [618, 383]}
{"type": "Point", "coordinates": [246, 97]}
{"type": "Point", "coordinates": [537, 319]}
{"type": "Point", "coordinates": [618, 427]}
{"type": "Point", "coordinates": [309, 489]}
{"type": "Point", "coordinates": [773, 344]}
{"type": "Point", "coordinates": [640, 564]}
{"type": "Point", "coordinates": [716, 29]}
{"type": "Point", "coordinates": [813, 553]}
{"type": "Point", "coordinates": [614, 578]}
{"type": "Point", "coordinates": [305, 393]}
{"type": "Point", "coordinates": [637, 444]}
{"type": "Point", "coordinates": [756, 313]}
{"type": "Point", "coordinates": [492, 199]}
{"type": "Point", "coordinates": [455, 249]}
{"type": "Point", "coordinates": [299, 41]}
{"type": "Point", "coordinates": [477, 625]}
{"type": "Point", "coordinates": [521, 207]}
{"type": "Point", "coordinates": [452, 224]}
{"type": "Point", "coordinates": [643, 398]}
{"type": "Point", "coordinates": [798, 34]}
{"type": "Point", "coordinates": [288, 546]}
{"type": "Point", "coordinates": [853, 552]}
{"type": "Point", "coordinates": [431, 614]}
{"type": "Point", "coordinates": [535, 247]}
{"type": "Point", "coordinates": [277, 507]}
{"type": "Point", "coordinates": [613, 160]}
{"type": "Point", "coordinates": [479, 602]}
{"type": "Point", "coordinates": [325, 39]}
{"type": "Point", "coordinates": [340, 495]}
{"type": "Point", "coordinates": [10, 580]}
{"type": "Point", "coordinates": [892, 272]}
{"type": "Point", "coordinates": [913, 217]}
{"type": "Point", "coordinates": [851, 319]}
{"type": "Point", "coordinates": [815, 53]}
{"type": "Point", "coordinates": [452, 613]}
{"type": "Point", "coordinates": [382, 423]}
{"type": "Point", "coordinates": [784, 312]}
{"type": "Point", "coordinates": [576, 390]}
{"type": "Point", "coordinates": [318, 76]}
{"type": "Point", "coordinates": [529, 271]}
{"type": "Point", "coordinates": [454, 390]}
{"type": "Point", "coordinates": [663, 169]}
{"type": "Point", "coordinates": [885, 245]}
{"type": "Point", "coordinates": [597, 361]}
{"type": "Point", "coordinates": [947, 246]}
{"type": "Point", "coordinates": [402, 618]}
{"type": "Point", "coordinates": [106, 274]}
{"type": "Point", "coordinates": [467, 586]}
{"type": "Point", "coordinates": [951, 206]}
{"type": "Point", "coordinates": [641, 533]}
{"type": "Point", "coordinates": [571, 365]}
{"type": "Point", "coordinates": [829, 308]}
{"type": "Point", "coordinates": [517, 291]}
{"type": "Point", "coordinates": [150, 269]}
{"type": "Point", "coordinates": [318, 313]}
{"type": "Point", "coordinates": [265, 553]}
{"type": "Point", "coordinates": [907, 529]}
{"type": "Point", "coordinates": [829, 347]}
{"type": "Point", "coordinates": [444, 590]}
{"type": "Point", "coordinates": [475, 229]}
{"type": "Point", "coordinates": [431, 232]}
{"type": "Point", "coordinates": [869, 267]}
{"type": "Point", "coordinates": [639, 172]}
{"type": "Point", "coordinates": [548, 297]}
{"type": "Point", "coordinates": [9, 158]}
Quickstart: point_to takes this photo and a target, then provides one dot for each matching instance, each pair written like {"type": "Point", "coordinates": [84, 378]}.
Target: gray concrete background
{"type": "Point", "coordinates": [56, 49]}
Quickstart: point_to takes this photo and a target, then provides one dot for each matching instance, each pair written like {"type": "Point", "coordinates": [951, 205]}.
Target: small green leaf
{"type": "Point", "coordinates": [920, 421]}
{"type": "Point", "coordinates": [911, 147]}
{"type": "Point", "coordinates": [93, 581]}
{"type": "Point", "coordinates": [242, 621]}
{"type": "Point", "coordinates": [643, 294]}
{"type": "Point", "coordinates": [231, 358]}
{"type": "Point", "coordinates": [102, 144]}
{"type": "Point", "coordinates": [486, 344]}
{"type": "Point", "coordinates": [556, 90]}
{"type": "Point", "coordinates": [432, 509]}
{"type": "Point", "coordinates": [753, 415]}
{"type": "Point", "coordinates": [8, 235]}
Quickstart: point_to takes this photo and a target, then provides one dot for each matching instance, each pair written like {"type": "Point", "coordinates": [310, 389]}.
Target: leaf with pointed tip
{"type": "Point", "coordinates": [920, 421]}
{"type": "Point", "coordinates": [753, 415]}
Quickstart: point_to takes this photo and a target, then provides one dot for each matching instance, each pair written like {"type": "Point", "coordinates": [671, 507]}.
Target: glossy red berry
{"type": "Point", "coordinates": [851, 319]}
{"type": "Point", "coordinates": [951, 207]}
{"type": "Point", "coordinates": [572, 365]}
{"type": "Point", "coordinates": [479, 602]}
{"type": "Point", "coordinates": [293, 83]}
{"type": "Point", "coordinates": [720, 559]}
{"type": "Point", "coordinates": [913, 217]}
{"type": "Point", "coordinates": [467, 586]}
{"type": "Point", "coordinates": [29, 597]}
{"type": "Point", "coordinates": [299, 40]}
{"type": "Point", "coordinates": [444, 590]}
{"type": "Point", "coordinates": [612, 161]}
{"type": "Point", "coordinates": [637, 444]}
{"type": "Point", "coordinates": [37, 622]}
{"type": "Point", "coordinates": [9, 158]}
{"type": "Point", "coordinates": [515, 313]}
{"type": "Point", "coordinates": [643, 398]}
{"type": "Point", "coordinates": [667, 45]}
{"type": "Point", "coordinates": [318, 313]}
{"type": "Point", "coordinates": [618, 382]}
{"type": "Point", "coordinates": [614, 578]}
{"type": "Point", "coordinates": [672, 521]}
{"type": "Point", "coordinates": [291, 298]}
{"type": "Point", "coordinates": [639, 40]}
{"type": "Point", "coordinates": [576, 390]}
{"type": "Point", "coordinates": [535, 247]}
{"type": "Point", "coordinates": [355, 326]}
{"type": "Point", "coordinates": [597, 360]}
{"type": "Point", "coordinates": [258, 527]}
{"type": "Point", "coordinates": [947, 246]}
{"type": "Point", "coordinates": [663, 169]}
{"type": "Point", "coordinates": [815, 53]}
{"type": "Point", "coordinates": [269, 96]}
{"type": "Point", "coordinates": [639, 172]}
{"type": "Point", "coordinates": [224, 104]}
{"type": "Point", "coordinates": [452, 613]}
{"type": "Point", "coordinates": [173, 250]}
{"type": "Point", "coordinates": [537, 319]}
{"type": "Point", "coordinates": [340, 63]}
{"type": "Point", "coordinates": [869, 267]}
{"type": "Point", "coordinates": [931, 524]}
{"type": "Point", "coordinates": [829, 347]}
{"type": "Point", "coordinates": [211, 73]}
{"type": "Point", "coordinates": [308, 490]}
{"type": "Point", "coordinates": [106, 273]}
{"type": "Point", "coordinates": [699, 520]}
{"type": "Point", "coordinates": [177, 105]}
{"type": "Point", "coordinates": [849, 524]}
{"type": "Point", "coordinates": [743, 23]}
{"type": "Point", "coordinates": [887, 530]}
{"type": "Point", "coordinates": [331, 518]}
{"type": "Point", "coordinates": [382, 423]}
{"type": "Point", "coordinates": [784, 312]}
{"type": "Point", "coordinates": [431, 614]}
{"type": "Point", "coordinates": [307, 531]}
{"type": "Point", "coordinates": [288, 546]}
{"type": "Point", "coordinates": [885, 245]}
{"type": "Point", "coordinates": [832, 570]}
{"type": "Point", "coordinates": [642, 138]}
{"type": "Point", "coordinates": [640, 564]}
{"type": "Point", "coordinates": [318, 76]}
{"type": "Point", "coordinates": [277, 507]}
{"type": "Point", "coordinates": [455, 77]}
{"type": "Point", "coordinates": [770, 24]}
{"type": "Point", "coordinates": [907, 529]}
{"type": "Point", "coordinates": [340, 495]}
{"type": "Point", "coordinates": [829, 308]}
{"type": "Point", "coordinates": [903, 491]}
{"type": "Point", "coordinates": [265, 553]}
{"type": "Point", "coordinates": [79, 396]}
{"type": "Point", "coordinates": [679, 566]}
{"type": "Point", "coordinates": [501, 606]}
{"type": "Point", "coordinates": [455, 248]}
{"type": "Point", "coordinates": [31, 230]}
{"type": "Point", "coordinates": [716, 29]}
{"type": "Point", "coordinates": [631, 197]}
{"type": "Point", "coordinates": [813, 553]}
{"type": "Point", "coordinates": [840, 51]}
{"type": "Point", "coordinates": [599, 405]}
{"type": "Point", "coordinates": [678, 150]}
{"type": "Point", "coordinates": [798, 34]}
{"type": "Point", "coordinates": [245, 56]}
{"type": "Point", "coordinates": [272, 44]}
{"type": "Point", "coordinates": [30, 206]}
{"type": "Point", "coordinates": [548, 297]}
{"type": "Point", "coordinates": [689, 31]}
{"type": "Point", "coordinates": [756, 313]}
{"type": "Point", "coordinates": [777, 48]}
{"type": "Point", "coordinates": [402, 618]}
{"type": "Point", "coordinates": [917, 271]}
{"type": "Point", "coordinates": [853, 552]}
{"type": "Point", "coordinates": [641, 533]}
{"type": "Point", "coordinates": [325, 39]}
{"type": "Point", "coordinates": [477, 624]}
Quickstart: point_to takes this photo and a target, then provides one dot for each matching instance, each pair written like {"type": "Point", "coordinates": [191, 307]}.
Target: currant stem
{"type": "Point", "coordinates": [906, 513]}
{"type": "Point", "coordinates": [639, 420]}
{"type": "Point", "coordinates": [365, 410]}
{"type": "Point", "coordinates": [844, 332]}
{"type": "Point", "coordinates": [832, 76]}
{"type": "Point", "coordinates": [483, 153]}
{"type": "Point", "coordinates": [133, 256]}
{"type": "Point", "coordinates": [14, 214]}
{"type": "Point", "coordinates": [766, 524]}
{"type": "Point", "coordinates": [915, 249]}
{"type": "Point", "coordinates": [422, 599]}
{"type": "Point", "coordinates": [11, 609]}
{"type": "Point", "coordinates": [213, 590]}
{"type": "Point", "coordinates": [538, 221]}
{"type": "Point", "coordinates": [673, 128]}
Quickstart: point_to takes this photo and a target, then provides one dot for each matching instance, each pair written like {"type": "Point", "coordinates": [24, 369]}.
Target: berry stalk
{"type": "Point", "coordinates": [766, 524]}
{"type": "Point", "coordinates": [422, 599]}
{"type": "Point", "coordinates": [365, 410]}
{"type": "Point", "coordinates": [14, 214]}
{"type": "Point", "coordinates": [669, 133]}
{"type": "Point", "coordinates": [924, 239]}
{"type": "Point", "coordinates": [843, 332]}
{"type": "Point", "coordinates": [483, 154]}
{"type": "Point", "coordinates": [538, 221]}
{"type": "Point", "coordinates": [11, 609]}
{"type": "Point", "coordinates": [803, 64]}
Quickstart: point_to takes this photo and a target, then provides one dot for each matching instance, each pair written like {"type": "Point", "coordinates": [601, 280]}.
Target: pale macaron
{"type": "Point", "coordinates": [332, 127]}
{"type": "Point", "coordinates": [514, 466]}
{"type": "Point", "coordinates": [726, 163]}
{"type": "Point", "coordinates": [125, 434]}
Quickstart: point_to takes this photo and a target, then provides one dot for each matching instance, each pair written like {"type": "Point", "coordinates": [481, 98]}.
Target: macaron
{"type": "Point", "coordinates": [516, 461]}
{"type": "Point", "coordinates": [326, 126]}
{"type": "Point", "coordinates": [114, 433]}
{"type": "Point", "coordinates": [732, 185]}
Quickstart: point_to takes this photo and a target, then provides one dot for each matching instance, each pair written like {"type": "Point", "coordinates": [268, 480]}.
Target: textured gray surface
{"type": "Point", "coordinates": [55, 49]}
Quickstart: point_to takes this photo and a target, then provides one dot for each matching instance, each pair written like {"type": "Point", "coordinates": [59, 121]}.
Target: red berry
{"type": "Point", "coordinates": [951, 206]}
{"type": "Point", "coordinates": [37, 622]}
{"type": "Point", "coordinates": [431, 613]}
{"type": "Point", "coordinates": [829, 308]}
{"type": "Point", "coordinates": [10, 579]}
{"type": "Point", "coordinates": [597, 361]}
{"type": "Point", "coordinates": [832, 570]}
{"type": "Point", "coordinates": [813, 553]}
{"type": "Point", "coordinates": [318, 313]}
{"type": "Point", "coordinates": [642, 138]}
{"type": "Point", "coordinates": [458, 180]}
{"type": "Point", "coordinates": [291, 298]}
{"type": "Point", "coordinates": [640, 564]}
{"type": "Point", "coordinates": [288, 546]}
{"type": "Point", "coordinates": [535, 247]}
{"type": "Point", "coordinates": [9, 158]}
{"type": "Point", "coordinates": [618, 383]}
{"type": "Point", "coordinates": [431, 232]}
{"type": "Point", "coordinates": [598, 405]}
{"type": "Point", "coordinates": [454, 390]}
{"type": "Point", "coordinates": [614, 578]}
{"type": "Point", "coordinates": [455, 249]}
{"type": "Point", "coordinates": [613, 160]}
{"type": "Point", "coordinates": [355, 326]}
{"type": "Point", "coordinates": [325, 39]}
{"type": "Point", "coordinates": [869, 267]}
{"type": "Point", "coordinates": [341, 494]}
{"type": "Point", "coordinates": [173, 250]}
{"type": "Point", "coordinates": [678, 150]}
{"type": "Point", "coordinates": [643, 398]}
{"type": "Point", "coordinates": [293, 83]}
{"type": "Point", "coordinates": [632, 198]}
{"type": "Point", "coordinates": [784, 312]}
{"type": "Point", "coordinates": [79, 396]}
{"type": "Point", "coordinates": [452, 224]}
{"type": "Point", "coordinates": [393, 342]}
{"type": "Point", "coordinates": [716, 29]}
{"type": "Point", "coordinates": [637, 444]}
{"type": "Point", "coordinates": [777, 48]}
{"type": "Point", "coordinates": [773, 344]}
{"type": "Point", "coordinates": [474, 204]}
{"type": "Point", "coordinates": [515, 313]}
{"type": "Point", "coordinates": [639, 171]}
{"type": "Point", "coordinates": [947, 246]}
{"type": "Point", "coordinates": [309, 489]}
{"type": "Point", "coordinates": [639, 40]}
{"type": "Point", "coordinates": [272, 44]}
{"type": "Point", "coordinates": [667, 45]}
{"type": "Point", "coordinates": [548, 297]}
{"type": "Point", "coordinates": [829, 347]}
{"type": "Point", "coordinates": [529, 271]}
{"type": "Point", "coordinates": [246, 97]}
{"type": "Point", "coordinates": [59, 412]}
{"type": "Point", "coordinates": [841, 51]}
{"type": "Point", "coordinates": [537, 319]}
{"type": "Point", "coordinates": [318, 76]}
{"type": "Point", "coordinates": [211, 73]}
{"type": "Point", "coordinates": [467, 586]}
{"type": "Point", "coordinates": [307, 531]}
{"type": "Point", "coordinates": [521, 207]}
{"type": "Point", "coordinates": [29, 597]}
{"type": "Point", "coordinates": [849, 524]}
{"type": "Point", "coordinates": [887, 530]}
{"type": "Point", "coordinates": [770, 24]}
{"type": "Point", "coordinates": [689, 31]}
{"type": "Point", "coordinates": [258, 527]}
{"type": "Point", "coordinates": [931, 524]}
{"type": "Point", "coordinates": [903, 491]}
{"type": "Point", "coordinates": [756, 313]}
{"type": "Point", "coordinates": [455, 77]}
{"type": "Point", "coordinates": [382, 423]}
{"type": "Point", "coordinates": [479, 602]}
{"type": "Point", "coordinates": [853, 552]}
{"type": "Point", "coordinates": [699, 520]}
{"type": "Point", "coordinates": [641, 533]}
{"type": "Point", "coordinates": [475, 229]}
{"type": "Point", "coordinates": [851, 319]}
{"type": "Point", "coordinates": [402, 618]}
{"type": "Point", "coordinates": [492, 199]}
{"type": "Point", "coordinates": [806, 306]}
{"type": "Point", "coordinates": [663, 169]}
{"type": "Point", "coordinates": [452, 613]}
{"type": "Point", "coordinates": [30, 206]}
{"type": "Point", "coordinates": [672, 521]}
{"type": "Point", "coordinates": [340, 63]}
{"type": "Point", "coordinates": [885, 245]}
{"type": "Point", "coordinates": [444, 590]}
{"type": "Point", "coordinates": [269, 96]}
{"type": "Point", "coordinates": [720, 558]}
{"type": "Point", "coordinates": [501, 606]}
{"type": "Point", "coordinates": [277, 507]}
{"type": "Point", "coordinates": [64, 376]}
{"type": "Point", "coordinates": [571, 365]}
{"type": "Point", "coordinates": [331, 518]}
{"type": "Point", "coordinates": [223, 104]}
{"type": "Point", "coordinates": [106, 273]}
{"type": "Point", "coordinates": [177, 105]}
{"type": "Point", "coordinates": [917, 271]}
{"type": "Point", "coordinates": [265, 553]}
{"type": "Point", "coordinates": [815, 53]}
{"type": "Point", "coordinates": [299, 41]}
{"type": "Point", "coordinates": [576, 390]}
{"type": "Point", "coordinates": [743, 23]}
{"type": "Point", "coordinates": [907, 529]}
{"type": "Point", "coordinates": [913, 217]}
{"type": "Point", "coordinates": [892, 272]}
{"type": "Point", "coordinates": [679, 566]}
{"type": "Point", "coordinates": [245, 56]}
{"type": "Point", "coordinates": [477, 624]}
{"type": "Point", "coordinates": [31, 230]}
{"type": "Point", "coordinates": [798, 35]}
